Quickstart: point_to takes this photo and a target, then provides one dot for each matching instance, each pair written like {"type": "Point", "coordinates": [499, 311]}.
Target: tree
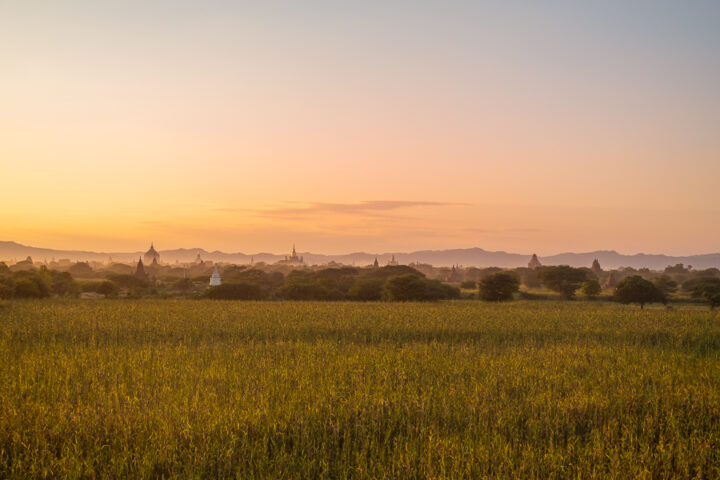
{"type": "Point", "coordinates": [107, 288]}
{"type": "Point", "coordinates": [413, 288]}
{"type": "Point", "coordinates": [708, 289]}
{"type": "Point", "coordinates": [562, 279]}
{"type": "Point", "coordinates": [28, 284]}
{"type": "Point", "coordinates": [7, 287]}
{"type": "Point", "coordinates": [404, 288]}
{"type": "Point", "coordinates": [666, 285]}
{"type": "Point", "coordinates": [367, 289]}
{"type": "Point", "coordinates": [63, 284]}
{"type": "Point", "coordinates": [498, 287]}
{"type": "Point", "coordinates": [236, 291]}
{"type": "Point", "coordinates": [636, 289]}
{"type": "Point", "coordinates": [591, 288]}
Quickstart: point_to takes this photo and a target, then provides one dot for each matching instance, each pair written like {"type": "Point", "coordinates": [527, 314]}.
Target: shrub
{"type": "Point", "coordinates": [498, 287]}
{"type": "Point", "coordinates": [636, 289]}
{"type": "Point", "coordinates": [469, 285]}
{"type": "Point", "coordinates": [236, 291]}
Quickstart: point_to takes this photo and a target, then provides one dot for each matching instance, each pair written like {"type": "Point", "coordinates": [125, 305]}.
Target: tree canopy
{"type": "Point", "coordinates": [635, 289]}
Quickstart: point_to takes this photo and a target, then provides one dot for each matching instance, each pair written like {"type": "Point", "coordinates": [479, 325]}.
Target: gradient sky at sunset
{"type": "Point", "coordinates": [526, 126]}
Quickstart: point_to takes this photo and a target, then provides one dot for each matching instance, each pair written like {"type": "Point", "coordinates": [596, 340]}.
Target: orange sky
{"type": "Point", "coordinates": [360, 127]}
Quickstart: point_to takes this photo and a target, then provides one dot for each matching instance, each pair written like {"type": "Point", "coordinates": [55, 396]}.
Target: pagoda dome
{"type": "Point", "coordinates": [151, 256]}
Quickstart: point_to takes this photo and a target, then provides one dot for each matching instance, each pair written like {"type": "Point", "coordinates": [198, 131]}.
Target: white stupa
{"type": "Point", "coordinates": [215, 279]}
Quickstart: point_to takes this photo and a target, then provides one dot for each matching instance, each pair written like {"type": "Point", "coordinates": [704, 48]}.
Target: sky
{"type": "Point", "coordinates": [375, 126]}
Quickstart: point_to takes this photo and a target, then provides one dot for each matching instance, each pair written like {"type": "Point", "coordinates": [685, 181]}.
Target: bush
{"type": "Point", "coordinates": [498, 287]}
{"type": "Point", "coordinates": [636, 289]}
{"type": "Point", "coordinates": [469, 285]}
{"type": "Point", "coordinates": [236, 291]}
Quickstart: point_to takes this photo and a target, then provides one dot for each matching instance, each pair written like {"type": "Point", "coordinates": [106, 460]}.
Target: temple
{"type": "Point", "coordinates": [151, 256]}
{"type": "Point", "coordinates": [140, 271]}
{"type": "Point", "coordinates": [215, 279]}
{"type": "Point", "coordinates": [392, 261]}
{"type": "Point", "coordinates": [534, 262]}
{"type": "Point", "coordinates": [293, 258]}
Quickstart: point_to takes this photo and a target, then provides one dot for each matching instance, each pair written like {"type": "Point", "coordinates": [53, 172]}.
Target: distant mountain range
{"type": "Point", "coordinates": [11, 251]}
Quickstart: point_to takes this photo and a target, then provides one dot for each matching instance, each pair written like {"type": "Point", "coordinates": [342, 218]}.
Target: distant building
{"type": "Point", "coordinates": [454, 275]}
{"type": "Point", "coordinates": [596, 268]}
{"type": "Point", "coordinates": [215, 279]}
{"type": "Point", "coordinates": [375, 263]}
{"type": "Point", "coordinates": [392, 261]}
{"type": "Point", "coordinates": [140, 271]}
{"type": "Point", "coordinates": [151, 256]}
{"type": "Point", "coordinates": [534, 262]}
{"type": "Point", "coordinates": [293, 258]}
{"type": "Point", "coordinates": [198, 259]}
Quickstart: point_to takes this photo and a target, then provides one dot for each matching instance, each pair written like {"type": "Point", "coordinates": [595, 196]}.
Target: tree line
{"type": "Point", "coordinates": [389, 283]}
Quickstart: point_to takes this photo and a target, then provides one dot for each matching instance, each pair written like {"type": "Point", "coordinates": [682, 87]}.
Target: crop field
{"type": "Point", "coordinates": [465, 389]}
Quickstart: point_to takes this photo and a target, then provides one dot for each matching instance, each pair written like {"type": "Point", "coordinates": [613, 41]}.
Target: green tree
{"type": "Point", "coordinates": [635, 289]}
{"type": "Point", "coordinates": [413, 288]}
{"type": "Point", "coordinates": [562, 279]}
{"type": "Point", "coordinates": [591, 288]}
{"type": "Point", "coordinates": [236, 291]}
{"type": "Point", "coordinates": [63, 284]}
{"type": "Point", "coordinates": [404, 288]}
{"type": "Point", "coordinates": [107, 288]}
{"type": "Point", "coordinates": [7, 287]}
{"type": "Point", "coordinates": [666, 285]}
{"type": "Point", "coordinates": [708, 289]}
{"type": "Point", "coordinates": [367, 289]}
{"type": "Point", "coordinates": [499, 287]}
{"type": "Point", "coordinates": [29, 284]}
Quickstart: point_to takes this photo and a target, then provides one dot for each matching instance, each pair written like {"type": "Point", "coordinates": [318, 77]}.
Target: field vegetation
{"type": "Point", "coordinates": [460, 389]}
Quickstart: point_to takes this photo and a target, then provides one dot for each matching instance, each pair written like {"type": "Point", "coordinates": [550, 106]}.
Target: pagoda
{"type": "Point", "coordinates": [534, 262]}
{"type": "Point", "coordinates": [140, 271]}
{"type": "Point", "coordinates": [215, 279]}
{"type": "Point", "coordinates": [152, 256]}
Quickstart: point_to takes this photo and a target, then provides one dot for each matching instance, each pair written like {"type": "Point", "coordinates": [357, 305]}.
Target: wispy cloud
{"type": "Point", "coordinates": [371, 208]}
{"type": "Point", "coordinates": [502, 230]}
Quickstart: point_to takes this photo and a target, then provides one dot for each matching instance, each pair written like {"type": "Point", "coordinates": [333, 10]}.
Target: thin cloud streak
{"type": "Point", "coordinates": [373, 208]}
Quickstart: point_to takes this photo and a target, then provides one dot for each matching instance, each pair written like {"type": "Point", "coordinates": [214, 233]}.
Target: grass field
{"type": "Point", "coordinates": [113, 389]}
